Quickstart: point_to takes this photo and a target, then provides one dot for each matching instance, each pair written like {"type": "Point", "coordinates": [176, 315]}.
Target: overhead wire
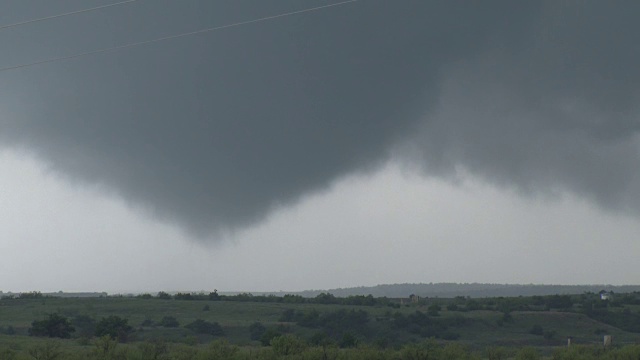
{"type": "Point", "coordinates": [2, 27]}
{"type": "Point", "coordinates": [171, 37]}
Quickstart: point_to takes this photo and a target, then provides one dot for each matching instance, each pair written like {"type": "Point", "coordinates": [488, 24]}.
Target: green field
{"type": "Point", "coordinates": [384, 327]}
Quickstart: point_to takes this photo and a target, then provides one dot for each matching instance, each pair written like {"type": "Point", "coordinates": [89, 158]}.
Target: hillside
{"type": "Point", "coordinates": [474, 290]}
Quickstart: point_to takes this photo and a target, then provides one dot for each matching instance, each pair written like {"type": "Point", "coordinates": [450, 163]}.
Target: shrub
{"type": "Point", "coordinates": [55, 326]}
{"type": "Point", "coordinates": [496, 353]}
{"type": "Point", "coordinates": [287, 345]}
{"type": "Point", "coordinates": [221, 350]}
{"type": "Point", "coordinates": [115, 327]}
{"type": "Point", "coordinates": [48, 351]}
{"type": "Point", "coordinates": [527, 353]}
{"type": "Point", "coordinates": [154, 349]}
{"type": "Point", "coordinates": [105, 347]}
{"type": "Point", "coordinates": [268, 335]}
{"type": "Point", "coordinates": [348, 340]}
{"type": "Point", "coordinates": [8, 354]}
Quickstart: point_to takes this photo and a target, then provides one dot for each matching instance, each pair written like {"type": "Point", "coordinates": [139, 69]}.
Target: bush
{"type": "Point", "coordinates": [221, 350]}
{"type": "Point", "coordinates": [154, 349]}
{"type": "Point", "coordinates": [48, 351]}
{"type": "Point", "coordinates": [527, 353]}
{"type": "Point", "coordinates": [287, 345]}
{"type": "Point", "coordinates": [8, 354]}
{"type": "Point", "coordinates": [434, 310]}
{"type": "Point", "coordinates": [455, 351]}
{"type": "Point", "coordinates": [268, 335]}
{"type": "Point", "coordinates": [426, 350]}
{"type": "Point", "coordinates": [105, 348]}
{"type": "Point", "coordinates": [55, 326]}
{"type": "Point", "coordinates": [496, 353]}
{"type": "Point", "coordinates": [348, 340]}
{"type": "Point", "coordinates": [114, 327]}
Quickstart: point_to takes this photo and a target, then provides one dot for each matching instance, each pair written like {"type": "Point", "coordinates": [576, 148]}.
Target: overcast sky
{"type": "Point", "coordinates": [366, 143]}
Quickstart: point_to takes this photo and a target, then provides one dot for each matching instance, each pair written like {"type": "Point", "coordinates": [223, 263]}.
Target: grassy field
{"type": "Point", "coordinates": [476, 330]}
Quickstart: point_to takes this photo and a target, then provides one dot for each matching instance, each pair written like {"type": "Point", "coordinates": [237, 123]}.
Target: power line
{"type": "Point", "coordinates": [2, 27]}
{"type": "Point", "coordinates": [171, 37]}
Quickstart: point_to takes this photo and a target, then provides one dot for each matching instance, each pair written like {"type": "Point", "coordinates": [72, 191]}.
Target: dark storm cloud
{"type": "Point", "coordinates": [560, 113]}
{"type": "Point", "coordinates": [213, 131]}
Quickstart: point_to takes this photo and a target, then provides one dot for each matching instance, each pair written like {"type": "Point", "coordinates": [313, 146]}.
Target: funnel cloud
{"type": "Point", "coordinates": [214, 131]}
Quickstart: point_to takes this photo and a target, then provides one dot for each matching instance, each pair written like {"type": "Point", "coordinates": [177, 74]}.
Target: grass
{"type": "Point", "coordinates": [480, 329]}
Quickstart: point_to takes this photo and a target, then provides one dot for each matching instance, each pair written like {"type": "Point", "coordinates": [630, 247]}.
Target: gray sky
{"type": "Point", "coordinates": [373, 142]}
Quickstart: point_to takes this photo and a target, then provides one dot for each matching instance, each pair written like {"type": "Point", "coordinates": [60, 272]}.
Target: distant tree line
{"type": "Point", "coordinates": [114, 327]}
{"type": "Point", "coordinates": [323, 298]}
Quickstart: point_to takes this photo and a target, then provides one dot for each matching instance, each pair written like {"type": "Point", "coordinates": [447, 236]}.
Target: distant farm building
{"type": "Point", "coordinates": [606, 295]}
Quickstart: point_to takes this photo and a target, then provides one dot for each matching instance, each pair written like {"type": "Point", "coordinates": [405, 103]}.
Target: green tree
{"type": "Point", "coordinates": [114, 327]}
{"type": "Point", "coordinates": [268, 335]}
{"type": "Point", "coordinates": [55, 326]}
{"type": "Point", "coordinates": [164, 296]}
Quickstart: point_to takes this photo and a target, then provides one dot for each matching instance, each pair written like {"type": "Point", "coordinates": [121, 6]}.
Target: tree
{"type": "Point", "coordinates": [114, 327]}
{"type": "Point", "coordinates": [164, 296]}
{"type": "Point", "coordinates": [268, 335]}
{"type": "Point", "coordinates": [55, 326]}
